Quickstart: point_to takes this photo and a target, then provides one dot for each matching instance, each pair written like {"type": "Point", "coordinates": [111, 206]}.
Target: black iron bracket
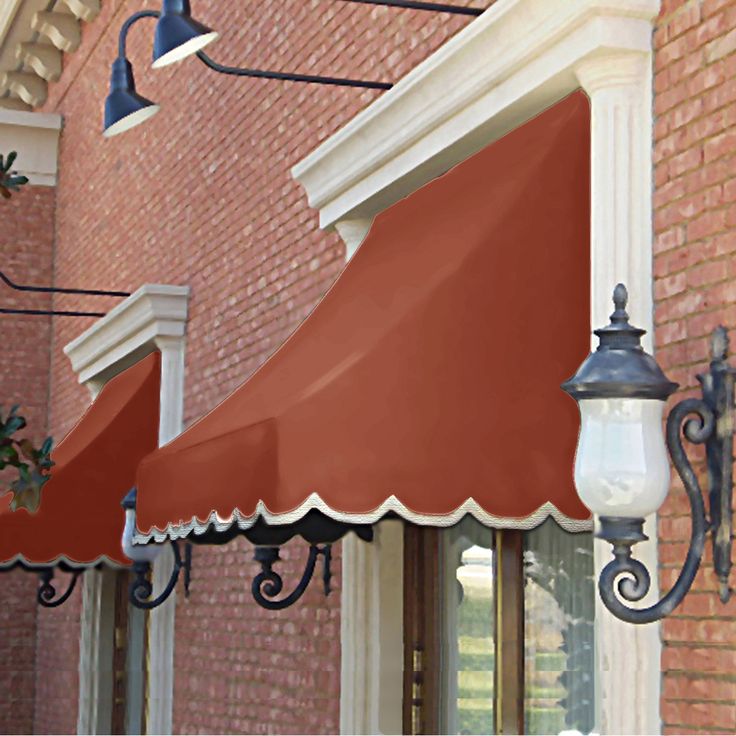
{"type": "Point", "coordinates": [268, 584]}
{"type": "Point", "coordinates": [141, 589]}
{"type": "Point", "coordinates": [46, 595]}
{"type": "Point", "coordinates": [708, 421]}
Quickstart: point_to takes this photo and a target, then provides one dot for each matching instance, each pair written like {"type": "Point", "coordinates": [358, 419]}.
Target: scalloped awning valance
{"type": "Point", "coordinates": [79, 521]}
{"type": "Point", "coordinates": [427, 381]}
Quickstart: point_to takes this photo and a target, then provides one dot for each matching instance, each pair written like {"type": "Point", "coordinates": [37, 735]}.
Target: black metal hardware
{"type": "Point", "coordinates": [125, 108]}
{"type": "Point", "coordinates": [123, 35]}
{"type": "Point", "coordinates": [141, 589]}
{"type": "Point", "coordinates": [46, 595]}
{"type": "Point", "coordinates": [288, 76]}
{"type": "Point", "coordinates": [706, 421]}
{"type": "Point", "coordinates": [51, 313]}
{"type": "Point", "coordinates": [268, 584]}
{"type": "Point", "coordinates": [56, 290]}
{"type": "Point", "coordinates": [59, 290]}
{"type": "Point", "coordinates": [416, 5]}
{"type": "Point", "coordinates": [619, 368]}
{"type": "Point", "coordinates": [187, 568]}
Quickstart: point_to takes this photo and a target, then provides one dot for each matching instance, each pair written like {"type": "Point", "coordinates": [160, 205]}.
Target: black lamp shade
{"type": "Point", "coordinates": [178, 35]}
{"type": "Point", "coordinates": [124, 107]}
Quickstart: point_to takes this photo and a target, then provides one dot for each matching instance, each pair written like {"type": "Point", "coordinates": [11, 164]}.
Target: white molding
{"type": "Point", "coordinates": [506, 66]}
{"type": "Point", "coordinates": [62, 29]}
{"type": "Point", "coordinates": [153, 318]}
{"type": "Point", "coordinates": [35, 137]}
{"type": "Point", "coordinates": [153, 313]}
{"type": "Point", "coordinates": [371, 631]}
{"type": "Point", "coordinates": [353, 233]}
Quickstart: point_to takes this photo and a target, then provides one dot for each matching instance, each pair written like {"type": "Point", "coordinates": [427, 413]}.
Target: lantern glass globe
{"type": "Point", "coordinates": [621, 465]}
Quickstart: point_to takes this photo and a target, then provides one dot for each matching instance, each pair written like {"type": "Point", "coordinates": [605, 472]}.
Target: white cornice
{"type": "Point", "coordinates": [149, 316]}
{"type": "Point", "coordinates": [35, 137]}
{"type": "Point", "coordinates": [34, 34]}
{"type": "Point", "coordinates": [515, 59]}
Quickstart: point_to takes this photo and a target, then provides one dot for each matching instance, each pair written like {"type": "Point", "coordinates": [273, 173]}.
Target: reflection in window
{"type": "Point", "coordinates": [468, 654]}
{"type": "Point", "coordinates": [559, 601]}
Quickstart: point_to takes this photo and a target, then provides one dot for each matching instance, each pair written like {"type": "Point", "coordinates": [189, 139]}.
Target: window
{"type": "Point", "coordinates": [498, 630]}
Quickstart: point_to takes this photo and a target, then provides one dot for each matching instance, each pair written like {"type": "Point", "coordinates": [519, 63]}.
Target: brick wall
{"type": "Point", "coordinates": [695, 290]}
{"type": "Point", "coordinates": [26, 243]}
{"type": "Point", "coordinates": [201, 195]}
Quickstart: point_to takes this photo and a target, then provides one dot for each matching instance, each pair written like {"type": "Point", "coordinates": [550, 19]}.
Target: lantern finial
{"type": "Point", "coordinates": [620, 300]}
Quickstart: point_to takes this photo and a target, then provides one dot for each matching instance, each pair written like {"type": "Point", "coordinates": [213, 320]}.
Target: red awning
{"type": "Point", "coordinates": [427, 381]}
{"type": "Point", "coordinates": [80, 521]}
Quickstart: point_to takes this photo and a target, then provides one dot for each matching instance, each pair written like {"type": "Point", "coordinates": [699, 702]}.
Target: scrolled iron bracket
{"type": "Point", "coordinates": [46, 595]}
{"type": "Point", "coordinates": [141, 588]}
{"type": "Point", "coordinates": [268, 584]}
{"type": "Point", "coordinates": [706, 421]}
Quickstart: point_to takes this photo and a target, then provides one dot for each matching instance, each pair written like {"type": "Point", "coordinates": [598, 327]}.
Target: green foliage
{"type": "Point", "coordinates": [9, 180]}
{"type": "Point", "coordinates": [33, 464]}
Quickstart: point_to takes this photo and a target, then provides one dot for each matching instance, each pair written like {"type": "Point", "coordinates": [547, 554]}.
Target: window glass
{"type": "Point", "coordinates": [468, 652]}
{"type": "Point", "coordinates": [559, 603]}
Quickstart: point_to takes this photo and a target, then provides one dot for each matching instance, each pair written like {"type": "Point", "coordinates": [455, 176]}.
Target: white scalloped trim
{"type": "Point", "coordinates": [22, 559]}
{"type": "Point", "coordinates": [314, 502]}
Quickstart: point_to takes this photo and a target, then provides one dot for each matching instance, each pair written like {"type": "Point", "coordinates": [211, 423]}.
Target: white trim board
{"type": "Point", "coordinates": [153, 318]}
{"type": "Point", "coordinates": [508, 65]}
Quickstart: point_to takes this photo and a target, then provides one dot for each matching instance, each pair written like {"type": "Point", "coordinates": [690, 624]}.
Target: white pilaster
{"type": "Point", "coordinates": [371, 636]}
{"type": "Point", "coordinates": [153, 318]}
{"type": "Point", "coordinates": [620, 89]}
{"type": "Point", "coordinates": [161, 622]}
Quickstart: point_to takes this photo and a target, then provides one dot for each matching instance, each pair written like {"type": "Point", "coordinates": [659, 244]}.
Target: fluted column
{"type": "Point", "coordinates": [620, 89]}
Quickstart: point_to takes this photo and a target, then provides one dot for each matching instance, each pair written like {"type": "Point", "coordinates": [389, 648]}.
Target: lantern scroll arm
{"type": "Point", "coordinates": [46, 595]}
{"type": "Point", "coordinates": [141, 588]}
{"type": "Point", "coordinates": [268, 583]}
{"type": "Point", "coordinates": [636, 581]}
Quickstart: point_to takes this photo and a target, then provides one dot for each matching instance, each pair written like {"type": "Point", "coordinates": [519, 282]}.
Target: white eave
{"type": "Point", "coordinates": [499, 70]}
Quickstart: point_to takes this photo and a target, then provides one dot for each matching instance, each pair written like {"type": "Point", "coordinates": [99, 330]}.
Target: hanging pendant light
{"type": "Point", "coordinates": [124, 107]}
{"type": "Point", "coordinates": [178, 35]}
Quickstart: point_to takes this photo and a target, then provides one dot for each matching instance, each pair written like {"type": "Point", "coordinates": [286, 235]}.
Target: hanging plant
{"type": "Point", "coordinates": [10, 181]}
{"type": "Point", "coordinates": [33, 464]}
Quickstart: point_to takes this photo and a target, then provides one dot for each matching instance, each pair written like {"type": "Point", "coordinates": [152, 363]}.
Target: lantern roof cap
{"type": "Point", "coordinates": [619, 368]}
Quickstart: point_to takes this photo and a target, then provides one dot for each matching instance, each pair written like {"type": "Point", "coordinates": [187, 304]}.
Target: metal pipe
{"type": "Point", "coordinates": [416, 5]}
{"type": "Point", "coordinates": [287, 76]}
{"type": "Point", "coordinates": [51, 313]}
{"type": "Point", "coordinates": [59, 290]}
{"type": "Point", "coordinates": [128, 23]}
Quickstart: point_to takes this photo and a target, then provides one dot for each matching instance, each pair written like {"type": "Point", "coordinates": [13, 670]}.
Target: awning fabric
{"type": "Point", "coordinates": [427, 381]}
{"type": "Point", "coordinates": [80, 521]}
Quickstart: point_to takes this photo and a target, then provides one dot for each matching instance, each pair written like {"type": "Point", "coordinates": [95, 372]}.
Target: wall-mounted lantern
{"type": "Point", "coordinates": [621, 467]}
